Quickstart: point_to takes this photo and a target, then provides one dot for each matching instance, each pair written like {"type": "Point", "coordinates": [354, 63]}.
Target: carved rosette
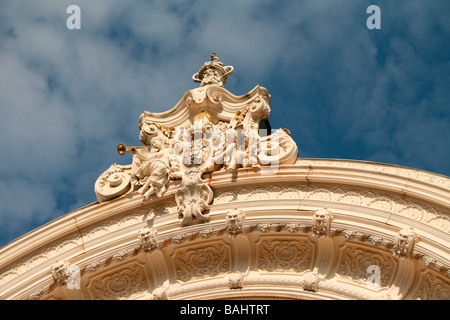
{"type": "Point", "coordinates": [112, 183]}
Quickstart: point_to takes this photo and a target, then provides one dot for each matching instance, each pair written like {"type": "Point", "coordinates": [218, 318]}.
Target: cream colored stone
{"type": "Point", "coordinates": [313, 229]}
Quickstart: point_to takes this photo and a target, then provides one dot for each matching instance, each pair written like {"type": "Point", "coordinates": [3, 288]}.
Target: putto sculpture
{"type": "Point", "coordinates": [208, 130]}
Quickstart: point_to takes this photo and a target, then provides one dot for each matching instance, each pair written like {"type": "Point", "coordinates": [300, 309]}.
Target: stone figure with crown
{"type": "Point", "coordinates": [209, 129]}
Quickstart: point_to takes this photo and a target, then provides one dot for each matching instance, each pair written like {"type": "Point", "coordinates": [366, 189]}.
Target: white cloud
{"type": "Point", "coordinates": [68, 97]}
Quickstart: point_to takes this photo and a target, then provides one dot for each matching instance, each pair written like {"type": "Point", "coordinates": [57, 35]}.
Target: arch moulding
{"type": "Point", "coordinates": [314, 229]}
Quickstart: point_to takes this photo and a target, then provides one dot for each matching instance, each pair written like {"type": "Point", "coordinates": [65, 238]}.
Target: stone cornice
{"type": "Point", "coordinates": [220, 103]}
{"type": "Point", "coordinates": [370, 203]}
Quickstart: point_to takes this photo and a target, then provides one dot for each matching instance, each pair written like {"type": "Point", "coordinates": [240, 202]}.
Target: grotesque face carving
{"type": "Point", "coordinates": [235, 221]}
{"type": "Point", "coordinates": [322, 222]}
{"type": "Point", "coordinates": [406, 239]}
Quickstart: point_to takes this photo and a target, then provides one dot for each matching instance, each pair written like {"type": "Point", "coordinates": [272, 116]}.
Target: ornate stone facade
{"type": "Point", "coordinates": [235, 213]}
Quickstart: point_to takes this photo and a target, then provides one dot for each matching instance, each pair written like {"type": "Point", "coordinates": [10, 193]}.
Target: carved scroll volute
{"type": "Point", "coordinates": [258, 109]}
{"type": "Point", "coordinates": [278, 148]}
{"type": "Point", "coordinates": [112, 183]}
{"type": "Point", "coordinates": [149, 130]}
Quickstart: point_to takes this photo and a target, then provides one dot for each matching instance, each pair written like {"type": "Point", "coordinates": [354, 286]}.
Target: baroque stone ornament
{"type": "Point", "coordinates": [236, 280]}
{"type": "Point", "coordinates": [119, 284]}
{"type": "Point", "coordinates": [66, 275]}
{"type": "Point", "coordinates": [208, 261]}
{"type": "Point", "coordinates": [148, 239]}
{"type": "Point", "coordinates": [60, 273]}
{"type": "Point", "coordinates": [112, 183]}
{"type": "Point", "coordinates": [284, 255]}
{"type": "Point", "coordinates": [213, 72]}
{"type": "Point", "coordinates": [209, 129]}
{"type": "Point", "coordinates": [235, 222]}
{"type": "Point", "coordinates": [404, 243]}
{"type": "Point", "coordinates": [161, 292]}
{"type": "Point", "coordinates": [322, 222]}
{"type": "Point", "coordinates": [193, 198]}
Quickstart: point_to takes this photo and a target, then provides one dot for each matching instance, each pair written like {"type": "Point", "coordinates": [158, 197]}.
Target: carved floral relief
{"type": "Point", "coordinates": [355, 263]}
{"type": "Point", "coordinates": [122, 283]}
{"type": "Point", "coordinates": [206, 261]}
{"type": "Point", "coordinates": [284, 255]}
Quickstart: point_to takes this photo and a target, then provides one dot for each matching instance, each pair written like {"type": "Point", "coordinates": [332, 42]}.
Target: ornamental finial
{"type": "Point", "coordinates": [214, 57]}
{"type": "Point", "coordinates": [213, 72]}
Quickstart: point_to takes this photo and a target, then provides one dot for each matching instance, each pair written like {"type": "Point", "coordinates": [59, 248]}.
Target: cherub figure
{"type": "Point", "coordinates": [155, 167]}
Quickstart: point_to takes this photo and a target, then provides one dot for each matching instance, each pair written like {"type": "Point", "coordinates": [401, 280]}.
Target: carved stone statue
{"type": "Point", "coordinates": [209, 130]}
{"type": "Point", "coordinates": [154, 168]}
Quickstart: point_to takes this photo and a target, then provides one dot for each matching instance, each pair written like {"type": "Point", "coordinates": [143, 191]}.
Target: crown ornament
{"type": "Point", "coordinates": [213, 72]}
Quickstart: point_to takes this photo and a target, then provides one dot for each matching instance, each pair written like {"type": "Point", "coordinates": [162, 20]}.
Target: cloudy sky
{"type": "Point", "coordinates": [68, 97]}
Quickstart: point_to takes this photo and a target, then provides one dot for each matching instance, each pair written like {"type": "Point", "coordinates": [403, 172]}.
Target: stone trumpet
{"type": "Point", "coordinates": [122, 149]}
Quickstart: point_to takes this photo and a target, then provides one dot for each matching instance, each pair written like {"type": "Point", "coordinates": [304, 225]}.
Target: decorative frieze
{"type": "Point", "coordinates": [434, 288]}
{"type": "Point", "coordinates": [355, 263]}
{"type": "Point", "coordinates": [361, 197]}
{"type": "Point", "coordinates": [284, 255]}
{"type": "Point", "coordinates": [206, 261]}
{"type": "Point", "coordinates": [122, 283]}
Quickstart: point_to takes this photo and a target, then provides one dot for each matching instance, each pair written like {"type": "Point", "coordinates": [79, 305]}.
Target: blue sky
{"type": "Point", "coordinates": [68, 97]}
